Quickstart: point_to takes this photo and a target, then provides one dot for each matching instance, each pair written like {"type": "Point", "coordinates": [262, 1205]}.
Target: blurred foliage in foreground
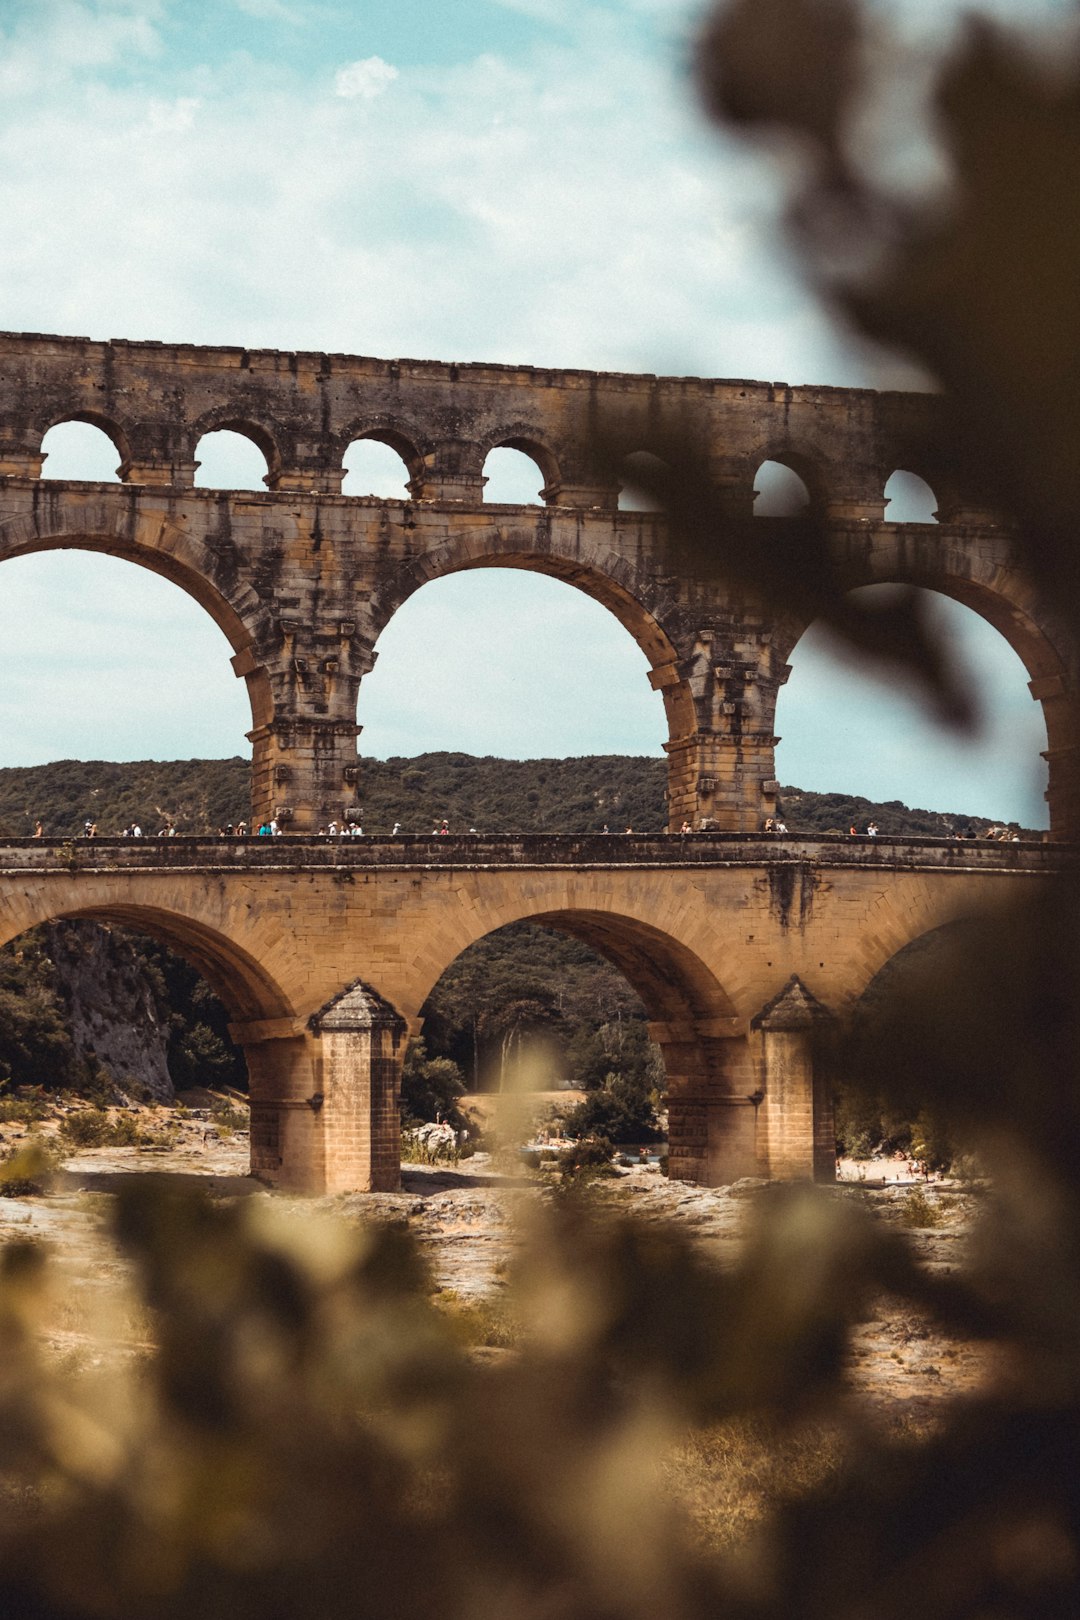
{"type": "Point", "coordinates": [307, 1439]}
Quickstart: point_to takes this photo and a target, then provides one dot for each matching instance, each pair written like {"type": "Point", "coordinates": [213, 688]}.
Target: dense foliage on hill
{"type": "Point", "coordinates": [493, 795]}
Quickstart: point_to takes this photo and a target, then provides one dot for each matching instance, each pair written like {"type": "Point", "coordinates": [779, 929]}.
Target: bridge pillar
{"type": "Point", "coordinates": [712, 1109]}
{"type": "Point", "coordinates": [796, 1131]}
{"type": "Point", "coordinates": [721, 773]}
{"type": "Point", "coordinates": [304, 771]}
{"type": "Point", "coordinates": [358, 1074]}
{"type": "Point", "coordinates": [286, 1134]}
{"type": "Point", "coordinates": [721, 780]}
{"type": "Point", "coordinates": [324, 1097]}
{"type": "Point", "coordinates": [1063, 790]}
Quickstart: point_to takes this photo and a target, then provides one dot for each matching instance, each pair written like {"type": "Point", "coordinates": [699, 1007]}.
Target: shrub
{"type": "Point", "coordinates": [22, 1110]}
{"type": "Point", "coordinates": [88, 1128]}
{"type": "Point", "coordinates": [622, 1110]}
{"type": "Point", "coordinates": [92, 1127]}
{"type": "Point", "coordinates": [590, 1157]}
{"type": "Point", "coordinates": [26, 1170]}
{"type": "Point", "coordinates": [918, 1210]}
{"type": "Point", "coordinates": [487, 1322]}
{"type": "Point", "coordinates": [227, 1118]}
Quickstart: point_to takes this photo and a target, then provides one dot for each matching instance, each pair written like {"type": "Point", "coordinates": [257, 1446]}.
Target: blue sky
{"type": "Point", "coordinates": [519, 180]}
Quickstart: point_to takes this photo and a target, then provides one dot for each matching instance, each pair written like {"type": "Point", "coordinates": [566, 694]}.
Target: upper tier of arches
{"type": "Point", "coordinates": [582, 431]}
{"type": "Point", "coordinates": [394, 461]}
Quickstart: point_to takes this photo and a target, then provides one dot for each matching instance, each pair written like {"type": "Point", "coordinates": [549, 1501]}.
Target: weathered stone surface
{"type": "Point", "coordinates": [302, 579]}
{"type": "Point", "coordinates": [286, 931]}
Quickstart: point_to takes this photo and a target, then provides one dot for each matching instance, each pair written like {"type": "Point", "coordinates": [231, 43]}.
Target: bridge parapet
{"type": "Point", "coordinates": [541, 850]}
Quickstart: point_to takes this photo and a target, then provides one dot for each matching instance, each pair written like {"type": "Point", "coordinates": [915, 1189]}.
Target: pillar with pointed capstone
{"type": "Point", "coordinates": [358, 1074]}
{"type": "Point", "coordinates": [796, 1116]}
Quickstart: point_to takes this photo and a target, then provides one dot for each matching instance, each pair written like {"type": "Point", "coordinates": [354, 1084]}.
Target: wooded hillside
{"type": "Point", "coordinates": [493, 795]}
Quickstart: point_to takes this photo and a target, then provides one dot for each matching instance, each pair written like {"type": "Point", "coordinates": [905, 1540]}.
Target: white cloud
{"type": "Point", "coordinates": [366, 79]}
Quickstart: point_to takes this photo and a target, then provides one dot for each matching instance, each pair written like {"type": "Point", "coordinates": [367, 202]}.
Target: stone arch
{"type": "Point", "coordinates": [901, 943]}
{"type": "Point", "coordinates": [402, 440]}
{"type": "Point", "coordinates": [113, 430]}
{"type": "Point", "coordinates": [926, 494]}
{"type": "Point", "coordinates": [910, 908]}
{"type": "Point", "coordinates": [806, 463]}
{"type": "Point", "coordinates": [287, 1142]}
{"type": "Point", "coordinates": [636, 495]}
{"type": "Point", "coordinates": [711, 1105]}
{"type": "Point", "coordinates": [226, 419]}
{"type": "Point", "coordinates": [169, 550]}
{"type": "Point", "coordinates": [673, 981]}
{"type": "Point", "coordinates": [1008, 602]}
{"type": "Point", "coordinates": [605, 576]}
{"type": "Point", "coordinates": [248, 990]}
{"type": "Point", "coordinates": [523, 439]}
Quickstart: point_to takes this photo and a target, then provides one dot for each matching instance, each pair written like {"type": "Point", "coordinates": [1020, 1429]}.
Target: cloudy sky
{"type": "Point", "coordinates": [506, 180]}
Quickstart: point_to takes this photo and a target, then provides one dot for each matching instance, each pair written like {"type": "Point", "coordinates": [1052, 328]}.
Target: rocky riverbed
{"type": "Point", "coordinates": [465, 1219]}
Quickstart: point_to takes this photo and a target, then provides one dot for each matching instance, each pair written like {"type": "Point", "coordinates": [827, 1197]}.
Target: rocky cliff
{"type": "Point", "coordinates": [116, 1008]}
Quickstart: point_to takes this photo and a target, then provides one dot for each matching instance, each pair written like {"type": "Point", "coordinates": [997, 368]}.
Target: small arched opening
{"type": "Point", "coordinates": [779, 491]}
{"type": "Point", "coordinates": [375, 465]}
{"type": "Point", "coordinates": [642, 479]}
{"type": "Point", "coordinates": [79, 449]}
{"type": "Point", "coordinates": [233, 458]}
{"type": "Point", "coordinates": [514, 475]}
{"type": "Point", "coordinates": [909, 499]}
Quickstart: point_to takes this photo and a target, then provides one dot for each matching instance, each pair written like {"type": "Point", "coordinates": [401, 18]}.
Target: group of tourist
{"type": "Point", "coordinates": [441, 829]}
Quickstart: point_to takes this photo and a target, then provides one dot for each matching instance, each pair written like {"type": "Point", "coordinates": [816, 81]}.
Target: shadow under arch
{"type": "Point", "coordinates": [174, 555]}
{"type": "Point", "coordinates": [262, 1015]}
{"type": "Point", "coordinates": [674, 984]}
{"type": "Point", "coordinates": [605, 577]}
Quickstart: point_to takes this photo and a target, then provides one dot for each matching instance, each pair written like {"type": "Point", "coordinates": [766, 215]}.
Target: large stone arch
{"type": "Point", "coordinates": [288, 1134]}
{"type": "Point", "coordinates": [248, 990]}
{"type": "Point", "coordinates": [692, 1018]}
{"type": "Point", "coordinates": [928, 557]}
{"type": "Point", "coordinates": [597, 570]}
{"type": "Point", "coordinates": [63, 521]}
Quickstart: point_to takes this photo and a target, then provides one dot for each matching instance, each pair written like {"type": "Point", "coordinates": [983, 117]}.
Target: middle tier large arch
{"type": "Point", "coordinates": [641, 599]}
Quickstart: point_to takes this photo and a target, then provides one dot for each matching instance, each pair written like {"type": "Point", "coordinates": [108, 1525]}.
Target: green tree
{"type": "Point", "coordinates": [623, 1109]}
{"type": "Point", "coordinates": [431, 1088]}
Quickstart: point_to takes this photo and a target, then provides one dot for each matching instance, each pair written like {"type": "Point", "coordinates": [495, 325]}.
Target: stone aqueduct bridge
{"type": "Point", "coordinates": [325, 950]}
{"type": "Point", "coordinates": [302, 579]}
